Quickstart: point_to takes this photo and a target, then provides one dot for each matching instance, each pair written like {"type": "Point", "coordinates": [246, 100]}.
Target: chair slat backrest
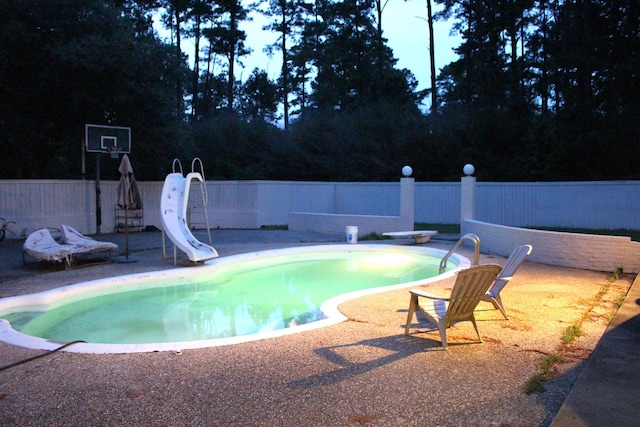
{"type": "Point", "coordinates": [471, 285]}
{"type": "Point", "coordinates": [516, 258]}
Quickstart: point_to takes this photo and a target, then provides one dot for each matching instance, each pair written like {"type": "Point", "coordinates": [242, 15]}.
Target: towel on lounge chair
{"type": "Point", "coordinates": [84, 244]}
{"type": "Point", "coordinates": [41, 245]}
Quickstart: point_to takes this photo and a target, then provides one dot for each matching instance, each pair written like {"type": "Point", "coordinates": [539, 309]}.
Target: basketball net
{"type": "Point", "coordinates": [114, 151]}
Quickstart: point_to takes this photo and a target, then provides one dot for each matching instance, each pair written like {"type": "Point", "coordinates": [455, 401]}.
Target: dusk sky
{"type": "Point", "coordinates": [404, 25]}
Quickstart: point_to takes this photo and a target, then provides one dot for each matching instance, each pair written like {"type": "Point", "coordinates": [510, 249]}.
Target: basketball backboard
{"type": "Point", "coordinates": [106, 139]}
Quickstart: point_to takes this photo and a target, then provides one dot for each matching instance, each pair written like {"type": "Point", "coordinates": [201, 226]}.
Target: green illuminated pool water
{"type": "Point", "coordinates": [234, 300]}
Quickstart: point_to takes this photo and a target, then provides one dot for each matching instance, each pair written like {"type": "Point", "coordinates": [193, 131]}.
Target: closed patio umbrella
{"type": "Point", "coordinates": [128, 196]}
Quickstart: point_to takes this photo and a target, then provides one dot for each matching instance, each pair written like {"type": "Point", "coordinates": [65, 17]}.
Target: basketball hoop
{"type": "Point", "coordinates": [100, 139]}
{"type": "Point", "coordinates": [114, 151]}
{"type": "Point", "coordinates": [114, 140]}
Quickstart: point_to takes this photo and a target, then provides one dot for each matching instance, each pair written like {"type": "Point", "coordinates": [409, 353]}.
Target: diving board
{"type": "Point", "coordinates": [173, 211]}
{"type": "Point", "coordinates": [420, 236]}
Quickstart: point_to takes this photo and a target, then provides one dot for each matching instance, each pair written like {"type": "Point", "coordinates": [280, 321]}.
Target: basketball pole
{"type": "Point", "coordinates": [84, 169]}
{"type": "Point", "coordinates": [98, 139]}
{"type": "Point", "coordinates": [98, 201]}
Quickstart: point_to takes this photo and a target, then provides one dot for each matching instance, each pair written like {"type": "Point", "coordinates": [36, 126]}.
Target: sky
{"type": "Point", "coordinates": [404, 24]}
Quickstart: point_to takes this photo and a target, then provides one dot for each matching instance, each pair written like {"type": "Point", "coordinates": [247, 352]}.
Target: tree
{"type": "Point", "coordinates": [310, 29]}
{"type": "Point", "coordinates": [173, 20]}
{"type": "Point", "coordinates": [69, 63]}
{"type": "Point", "coordinates": [259, 97]}
{"type": "Point", "coordinates": [227, 39]}
{"type": "Point", "coordinates": [285, 15]}
{"type": "Point", "coordinates": [199, 13]}
{"type": "Point", "coordinates": [595, 51]}
{"type": "Point", "coordinates": [432, 59]}
{"type": "Point", "coordinates": [353, 69]}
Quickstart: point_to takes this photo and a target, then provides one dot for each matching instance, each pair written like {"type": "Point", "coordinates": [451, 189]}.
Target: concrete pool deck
{"type": "Point", "coordinates": [364, 371]}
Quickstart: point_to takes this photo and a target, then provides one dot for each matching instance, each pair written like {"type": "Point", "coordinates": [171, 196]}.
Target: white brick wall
{"type": "Point", "coordinates": [335, 223]}
{"type": "Point", "coordinates": [583, 251]}
{"type": "Point", "coordinates": [332, 223]}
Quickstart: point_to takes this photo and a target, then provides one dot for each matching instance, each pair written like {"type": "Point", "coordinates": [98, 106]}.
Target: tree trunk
{"type": "Point", "coordinates": [232, 60]}
{"type": "Point", "coordinates": [380, 47]}
{"type": "Point", "coordinates": [285, 68]}
{"type": "Point", "coordinates": [179, 99]}
{"type": "Point", "coordinates": [432, 60]}
{"type": "Point", "coordinates": [196, 67]}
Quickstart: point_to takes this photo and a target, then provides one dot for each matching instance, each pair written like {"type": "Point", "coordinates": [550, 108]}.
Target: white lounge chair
{"type": "Point", "coordinates": [471, 285]}
{"type": "Point", "coordinates": [41, 245]}
{"type": "Point", "coordinates": [84, 244]}
{"type": "Point", "coordinates": [516, 258]}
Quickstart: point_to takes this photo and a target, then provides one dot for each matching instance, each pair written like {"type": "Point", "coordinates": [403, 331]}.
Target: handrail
{"type": "Point", "coordinates": [173, 166]}
{"type": "Point", "coordinates": [202, 183]}
{"type": "Point", "coordinates": [476, 252]}
{"type": "Point", "coordinates": [203, 193]}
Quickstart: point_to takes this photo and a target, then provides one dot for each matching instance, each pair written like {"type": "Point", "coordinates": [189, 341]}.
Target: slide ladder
{"type": "Point", "coordinates": [173, 211]}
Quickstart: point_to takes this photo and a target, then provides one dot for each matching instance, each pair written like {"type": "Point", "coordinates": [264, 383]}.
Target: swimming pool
{"type": "Point", "coordinates": [229, 300]}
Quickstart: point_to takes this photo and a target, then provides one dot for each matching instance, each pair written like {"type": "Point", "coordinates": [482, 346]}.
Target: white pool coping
{"type": "Point", "coordinates": [328, 309]}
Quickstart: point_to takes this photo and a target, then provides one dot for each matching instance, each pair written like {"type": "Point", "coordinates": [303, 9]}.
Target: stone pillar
{"type": "Point", "coordinates": [407, 203]}
{"type": "Point", "coordinates": [467, 197]}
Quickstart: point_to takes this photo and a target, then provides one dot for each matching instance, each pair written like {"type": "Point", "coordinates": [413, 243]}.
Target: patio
{"type": "Point", "coordinates": [360, 372]}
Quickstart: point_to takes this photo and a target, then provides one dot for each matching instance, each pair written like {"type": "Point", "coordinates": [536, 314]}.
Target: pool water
{"type": "Point", "coordinates": [239, 299]}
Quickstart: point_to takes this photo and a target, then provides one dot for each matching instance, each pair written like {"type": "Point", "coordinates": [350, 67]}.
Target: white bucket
{"type": "Point", "coordinates": [352, 234]}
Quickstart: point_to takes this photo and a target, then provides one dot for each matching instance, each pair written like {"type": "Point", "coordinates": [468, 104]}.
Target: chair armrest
{"type": "Point", "coordinates": [428, 295]}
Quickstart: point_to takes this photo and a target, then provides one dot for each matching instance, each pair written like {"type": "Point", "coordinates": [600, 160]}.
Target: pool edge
{"type": "Point", "coordinates": [329, 309]}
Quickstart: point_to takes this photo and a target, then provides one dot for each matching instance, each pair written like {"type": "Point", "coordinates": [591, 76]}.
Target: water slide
{"type": "Point", "coordinates": [173, 210]}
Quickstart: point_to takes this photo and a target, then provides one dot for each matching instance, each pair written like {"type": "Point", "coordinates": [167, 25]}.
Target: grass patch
{"type": "Point", "coordinates": [374, 236]}
{"type": "Point", "coordinates": [633, 234]}
{"type": "Point", "coordinates": [440, 228]}
{"type": "Point", "coordinates": [618, 302]}
{"type": "Point", "coordinates": [535, 384]}
{"type": "Point", "coordinates": [455, 228]}
{"type": "Point", "coordinates": [572, 333]}
{"type": "Point", "coordinates": [549, 362]}
{"type": "Point", "coordinates": [274, 227]}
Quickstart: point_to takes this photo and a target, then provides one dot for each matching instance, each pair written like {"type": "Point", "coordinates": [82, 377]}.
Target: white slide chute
{"type": "Point", "coordinates": [173, 210]}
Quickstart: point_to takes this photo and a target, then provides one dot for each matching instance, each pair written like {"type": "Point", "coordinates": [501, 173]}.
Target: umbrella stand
{"type": "Point", "coordinates": [126, 258]}
{"type": "Point", "coordinates": [128, 196]}
{"type": "Point", "coordinates": [126, 232]}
